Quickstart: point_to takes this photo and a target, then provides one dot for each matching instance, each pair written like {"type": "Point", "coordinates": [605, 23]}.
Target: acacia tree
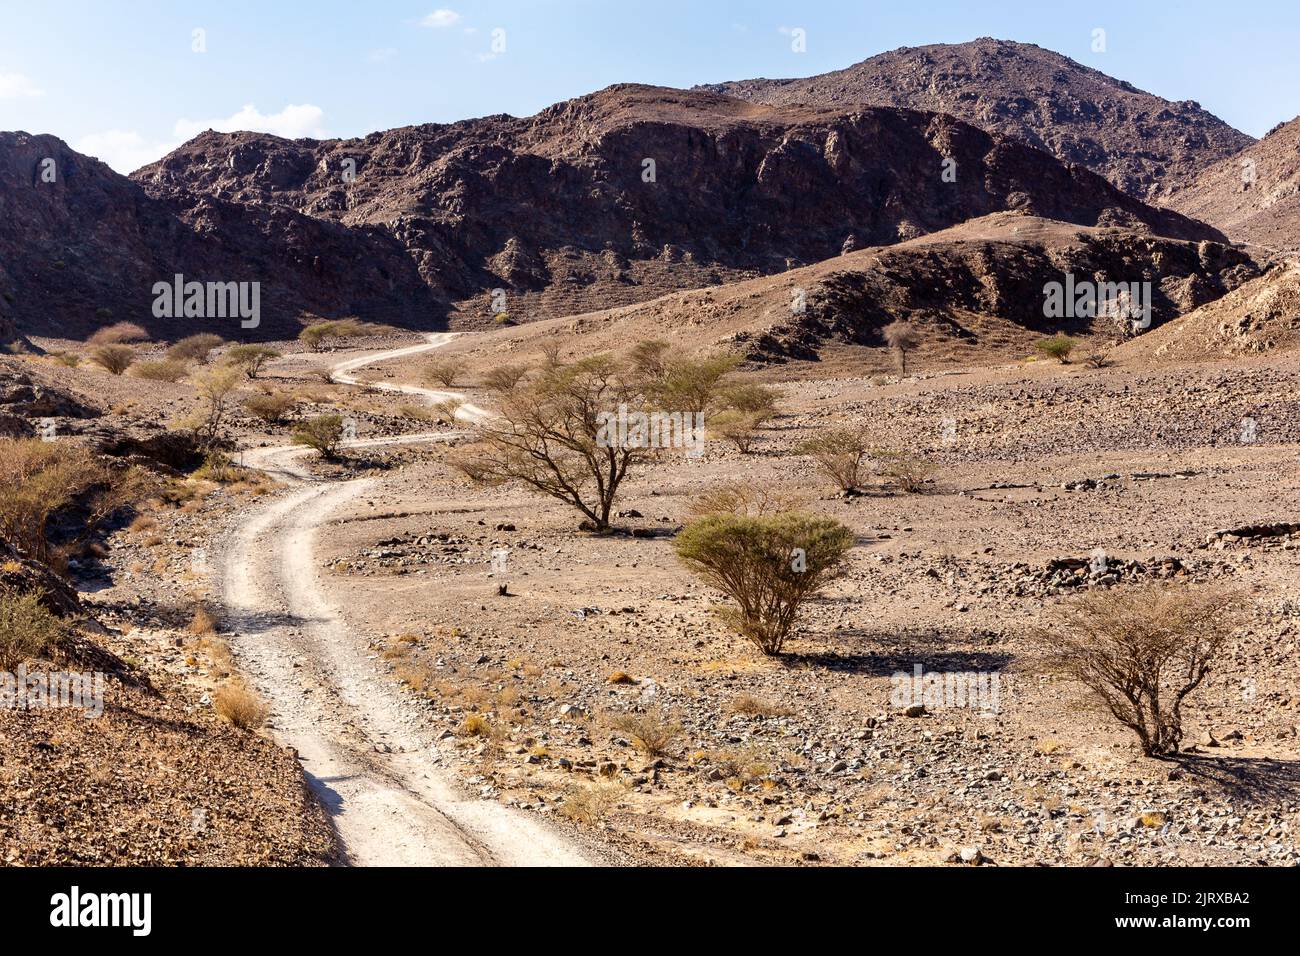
{"type": "Point", "coordinates": [769, 565]}
{"type": "Point", "coordinates": [549, 433]}
{"type": "Point", "coordinates": [216, 386]}
{"type": "Point", "coordinates": [841, 453]}
{"type": "Point", "coordinates": [1141, 651]}
{"type": "Point", "coordinates": [902, 336]}
{"type": "Point", "coordinates": [250, 358]}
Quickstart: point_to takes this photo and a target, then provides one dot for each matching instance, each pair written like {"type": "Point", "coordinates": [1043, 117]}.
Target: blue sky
{"type": "Point", "coordinates": [121, 79]}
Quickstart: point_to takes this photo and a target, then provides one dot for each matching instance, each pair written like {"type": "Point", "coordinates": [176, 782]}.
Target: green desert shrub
{"type": "Point", "coordinates": [115, 359]}
{"type": "Point", "coordinates": [769, 566]}
{"type": "Point", "coordinates": [1058, 347]}
{"type": "Point", "coordinates": [321, 432]}
{"type": "Point", "coordinates": [250, 358]}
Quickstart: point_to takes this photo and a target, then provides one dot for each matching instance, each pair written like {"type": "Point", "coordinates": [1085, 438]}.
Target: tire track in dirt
{"type": "Point", "coordinates": [367, 748]}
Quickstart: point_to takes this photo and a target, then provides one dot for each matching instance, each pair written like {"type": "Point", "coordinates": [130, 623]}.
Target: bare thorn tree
{"type": "Point", "coordinates": [550, 434]}
{"type": "Point", "coordinates": [902, 336]}
{"type": "Point", "coordinates": [1141, 651]}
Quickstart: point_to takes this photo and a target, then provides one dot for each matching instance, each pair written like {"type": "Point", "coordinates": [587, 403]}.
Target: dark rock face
{"type": "Point", "coordinates": [941, 286]}
{"type": "Point", "coordinates": [630, 192]}
{"type": "Point", "coordinates": [21, 573]}
{"type": "Point", "coordinates": [85, 250]}
{"type": "Point", "coordinates": [20, 396]}
{"type": "Point", "coordinates": [607, 199]}
{"type": "Point", "coordinates": [1142, 143]}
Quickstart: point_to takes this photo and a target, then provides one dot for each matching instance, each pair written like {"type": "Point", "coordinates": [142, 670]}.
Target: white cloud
{"type": "Point", "coordinates": [124, 150]}
{"type": "Point", "coordinates": [292, 122]}
{"type": "Point", "coordinates": [440, 19]}
{"type": "Point", "coordinates": [15, 86]}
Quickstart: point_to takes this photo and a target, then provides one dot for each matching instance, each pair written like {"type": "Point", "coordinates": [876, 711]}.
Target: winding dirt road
{"type": "Point", "coordinates": [368, 749]}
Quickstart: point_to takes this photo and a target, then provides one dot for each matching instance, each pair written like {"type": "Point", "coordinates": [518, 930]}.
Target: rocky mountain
{"type": "Point", "coordinates": [1142, 143]}
{"type": "Point", "coordinates": [1253, 196]}
{"type": "Point", "coordinates": [607, 199]}
{"type": "Point", "coordinates": [82, 246]}
{"type": "Point", "coordinates": [634, 191]}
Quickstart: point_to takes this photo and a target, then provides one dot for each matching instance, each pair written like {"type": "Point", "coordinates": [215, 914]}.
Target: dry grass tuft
{"type": "Point", "coordinates": [653, 733]}
{"type": "Point", "coordinates": [590, 804]}
{"type": "Point", "coordinates": [239, 705]}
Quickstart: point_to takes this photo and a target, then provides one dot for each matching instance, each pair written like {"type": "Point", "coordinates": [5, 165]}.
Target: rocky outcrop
{"type": "Point", "coordinates": [81, 247]}
{"type": "Point", "coordinates": [1144, 144]}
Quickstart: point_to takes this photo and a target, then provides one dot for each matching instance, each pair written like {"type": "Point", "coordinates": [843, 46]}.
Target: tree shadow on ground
{"type": "Point", "coordinates": [883, 653]}
{"type": "Point", "coordinates": [1253, 780]}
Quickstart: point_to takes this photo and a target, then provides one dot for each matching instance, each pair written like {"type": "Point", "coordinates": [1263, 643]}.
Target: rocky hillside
{"type": "Point", "coordinates": [608, 199]}
{"type": "Point", "coordinates": [1253, 196]}
{"type": "Point", "coordinates": [1142, 143]}
{"type": "Point", "coordinates": [976, 291]}
{"type": "Point", "coordinates": [85, 250]}
{"type": "Point", "coordinates": [1260, 316]}
{"type": "Point", "coordinates": [634, 191]}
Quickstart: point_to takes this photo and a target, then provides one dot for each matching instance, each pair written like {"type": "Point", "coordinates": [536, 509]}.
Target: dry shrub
{"type": "Point", "coordinates": [841, 453]}
{"type": "Point", "coordinates": [1141, 651]}
{"type": "Point", "coordinates": [239, 705]}
{"type": "Point", "coordinates": [195, 348]}
{"type": "Point", "coordinates": [420, 677]}
{"type": "Point", "coordinates": [204, 622]}
{"type": "Point", "coordinates": [591, 803]}
{"type": "Point", "coordinates": [652, 732]}
{"type": "Point", "coordinates": [216, 387]}
{"type": "Point", "coordinates": [906, 472]}
{"type": "Point", "coordinates": [142, 523]}
{"type": "Point", "coordinates": [115, 359]}
{"type": "Point", "coordinates": [166, 370]}
{"type": "Point", "coordinates": [504, 379]}
{"type": "Point", "coordinates": [1097, 357]}
{"type": "Point", "coordinates": [218, 467]}
{"type": "Point", "coordinates": [746, 500]}
{"type": "Point", "coordinates": [445, 372]}
{"type": "Point", "coordinates": [320, 335]}
{"type": "Point", "coordinates": [221, 660]}
{"type": "Point", "coordinates": [39, 478]}
{"type": "Point", "coordinates": [444, 412]}
{"type": "Point", "coordinates": [476, 725]}
{"type": "Point", "coordinates": [119, 333]}
{"type": "Point", "coordinates": [420, 413]}
{"type": "Point", "coordinates": [27, 628]}
{"type": "Point", "coordinates": [769, 566]}
{"type": "Point", "coordinates": [902, 336]}
{"type": "Point", "coordinates": [271, 407]}
{"type": "Point", "coordinates": [736, 427]}
{"type": "Point", "coordinates": [739, 766]}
